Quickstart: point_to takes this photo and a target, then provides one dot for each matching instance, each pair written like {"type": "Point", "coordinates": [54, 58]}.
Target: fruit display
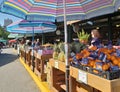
{"type": "Point", "coordinates": [98, 59]}
{"type": "Point", "coordinates": [59, 52]}
{"type": "Point", "coordinates": [77, 47]}
{"type": "Point", "coordinates": [83, 36]}
{"type": "Point", "coordinates": [45, 49]}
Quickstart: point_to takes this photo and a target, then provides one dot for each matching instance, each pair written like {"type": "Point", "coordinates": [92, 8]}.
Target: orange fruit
{"type": "Point", "coordinates": [98, 60]}
{"type": "Point", "coordinates": [119, 64]}
{"type": "Point", "coordinates": [93, 48]}
{"type": "Point", "coordinates": [78, 56]}
{"type": "Point", "coordinates": [112, 58]}
{"type": "Point", "coordinates": [95, 71]}
{"type": "Point", "coordinates": [91, 63]}
{"type": "Point", "coordinates": [105, 67]}
{"type": "Point", "coordinates": [115, 62]}
{"type": "Point", "coordinates": [108, 56]}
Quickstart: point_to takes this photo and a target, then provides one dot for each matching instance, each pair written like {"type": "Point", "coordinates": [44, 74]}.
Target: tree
{"type": "Point", "coordinates": [3, 33]}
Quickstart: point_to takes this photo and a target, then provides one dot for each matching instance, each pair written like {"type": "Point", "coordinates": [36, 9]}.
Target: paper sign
{"type": "Point", "coordinates": [56, 64]}
{"type": "Point", "coordinates": [82, 76]}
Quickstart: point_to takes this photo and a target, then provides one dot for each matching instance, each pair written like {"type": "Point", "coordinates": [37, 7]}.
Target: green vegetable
{"type": "Point", "coordinates": [83, 35]}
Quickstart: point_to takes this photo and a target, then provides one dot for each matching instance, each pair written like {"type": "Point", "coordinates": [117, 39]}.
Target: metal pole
{"type": "Point", "coordinates": [66, 48]}
{"type": "Point", "coordinates": [33, 48]}
{"type": "Point", "coordinates": [43, 38]}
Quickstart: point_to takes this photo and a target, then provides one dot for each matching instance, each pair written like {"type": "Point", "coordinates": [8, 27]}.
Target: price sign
{"type": "Point", "coordinates": [56, 64]}
{"type": "Point", "coordinates": [82, 76]}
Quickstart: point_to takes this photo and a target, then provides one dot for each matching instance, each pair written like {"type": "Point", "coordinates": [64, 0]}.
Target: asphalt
{"type": "Point", "coordinates": [13, 76]}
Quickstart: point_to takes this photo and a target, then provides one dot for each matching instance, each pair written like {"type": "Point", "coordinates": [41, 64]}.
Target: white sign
{"type": "Point", "coordinates": [56, 64]}
{"type": "Point", "coordinates": [82, 76]}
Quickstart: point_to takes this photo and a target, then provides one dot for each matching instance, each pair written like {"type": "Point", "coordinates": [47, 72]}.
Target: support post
{"type": "Point", "coordinates": [110, 33]}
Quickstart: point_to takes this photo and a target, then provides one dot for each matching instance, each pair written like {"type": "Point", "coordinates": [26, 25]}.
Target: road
{"type": "Point", "coordinates": [13, 75]}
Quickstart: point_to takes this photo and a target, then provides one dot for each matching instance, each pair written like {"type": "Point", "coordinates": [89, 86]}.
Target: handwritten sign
{"type": "Point", "coordinates": [56, 64]}
{"type": "Point", "coordinates": [82, 76]}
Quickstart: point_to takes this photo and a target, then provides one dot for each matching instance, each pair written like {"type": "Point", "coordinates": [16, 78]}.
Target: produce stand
{"type": "Point", "coordinates": [22, 51]}
{"type": "Point", "coordinates": [91, 82]}
{"type": "Point", "coordinates": [57, 76]}
{"type": "Point", "coordinates": [28, 57]}
{"type": "Point", "coordinates": [40, 65]}
{"type": "Point", "coordinates": [33, 57]}
{"type": "Point", "coordinates": [82, 77]}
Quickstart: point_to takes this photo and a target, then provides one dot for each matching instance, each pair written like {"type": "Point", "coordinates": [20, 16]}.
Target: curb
{"type": "Point", "coordinates": [41, 85]}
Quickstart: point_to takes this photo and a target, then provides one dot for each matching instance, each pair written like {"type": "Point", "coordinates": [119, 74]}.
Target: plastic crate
{"type": "Point", "coordinates": [110, 75]}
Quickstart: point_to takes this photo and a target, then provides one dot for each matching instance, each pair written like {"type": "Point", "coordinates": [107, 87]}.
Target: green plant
{"type": "Point", "coordinates": [83, 35]}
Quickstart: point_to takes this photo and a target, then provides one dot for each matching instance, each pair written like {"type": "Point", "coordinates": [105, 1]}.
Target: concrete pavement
{"type": "Point", "coordinates": [13, 76]}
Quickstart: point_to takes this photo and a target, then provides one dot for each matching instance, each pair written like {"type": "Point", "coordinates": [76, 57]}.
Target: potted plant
{"type": "Point", "coordinates": [83, 36]}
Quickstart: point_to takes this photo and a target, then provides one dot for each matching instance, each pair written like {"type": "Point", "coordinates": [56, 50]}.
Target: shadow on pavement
{"type": "Point", "coordinates": [7, 58]}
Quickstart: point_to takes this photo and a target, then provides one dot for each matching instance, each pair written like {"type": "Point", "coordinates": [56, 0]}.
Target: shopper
{"type": "Point", "coordinates": [96, 39]}
{"type": "Point", "coordinates": [37, 43]}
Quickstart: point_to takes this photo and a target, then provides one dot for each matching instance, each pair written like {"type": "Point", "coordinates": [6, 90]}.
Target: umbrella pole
{"type": "Point", "coordinates": [66, 48]}
{"type": "Point", "coordinates": [33, 50]}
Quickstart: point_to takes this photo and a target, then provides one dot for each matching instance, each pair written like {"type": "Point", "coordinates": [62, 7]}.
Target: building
{"type": "Point", "coordinates": [7, 22]}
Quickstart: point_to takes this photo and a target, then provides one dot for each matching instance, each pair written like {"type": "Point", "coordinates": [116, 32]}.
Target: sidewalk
{"type": "Point", "coordinates": [13, 75]}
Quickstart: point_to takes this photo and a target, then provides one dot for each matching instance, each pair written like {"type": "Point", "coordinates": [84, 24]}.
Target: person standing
{"type": "Point", "coordinates": [96, 39]}
{"type": "Point", "coordinates": [37, 43]}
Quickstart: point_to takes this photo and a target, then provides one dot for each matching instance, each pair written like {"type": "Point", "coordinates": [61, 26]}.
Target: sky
{"type": "Point", "coordinates": [6, 16]}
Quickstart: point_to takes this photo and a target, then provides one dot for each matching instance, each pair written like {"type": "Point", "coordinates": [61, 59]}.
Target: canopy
{"type": "Point", "coordinates": [52, 10]}
{"type": "Point", "coordinates": [25, 27]}
{"type": "Point", "coordinates": [16, 35]}
{"type": "Point", "coordinates": [13, 41]}
{"type": "Point", "coordinates": [3, 40]}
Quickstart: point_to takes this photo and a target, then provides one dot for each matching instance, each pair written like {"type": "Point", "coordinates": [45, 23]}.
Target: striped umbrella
{"type": "Point", "coordinates": [29, 30]}
{"type": "Point", "coordinates": [26, 27]}
{"type": "Point", "coordinates": [51, 10]}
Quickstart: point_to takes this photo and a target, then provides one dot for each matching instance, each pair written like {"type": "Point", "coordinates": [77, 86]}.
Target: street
{"type": "Point", "coordinates": [13, 75]}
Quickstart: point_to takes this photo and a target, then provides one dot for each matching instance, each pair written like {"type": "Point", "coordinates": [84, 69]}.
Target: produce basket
{"type": "Point", "coordinates": [110, 75]}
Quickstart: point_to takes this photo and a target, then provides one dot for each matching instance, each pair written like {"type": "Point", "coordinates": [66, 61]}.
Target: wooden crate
{"type": "Point", "coordinates": [22, 53]}
{"type": "Point", "coordinates": [57, 64]}
{"type": "Point", "coordinates": [48, 72]}
{"type": "Point", "coordinates": [97, 83]}
{"type": "Point", "coordinates": [57, 77]}
{"type": "Point", "coordinates": [28, 57]}
{"type": "Point", "coordinates": [33, 59]}
{"type": "Point", "coordinates": [40, 65]}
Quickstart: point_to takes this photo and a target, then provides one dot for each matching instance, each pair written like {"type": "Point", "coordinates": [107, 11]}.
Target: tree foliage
{"type": "Point", "coordinates": [3, 33]}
